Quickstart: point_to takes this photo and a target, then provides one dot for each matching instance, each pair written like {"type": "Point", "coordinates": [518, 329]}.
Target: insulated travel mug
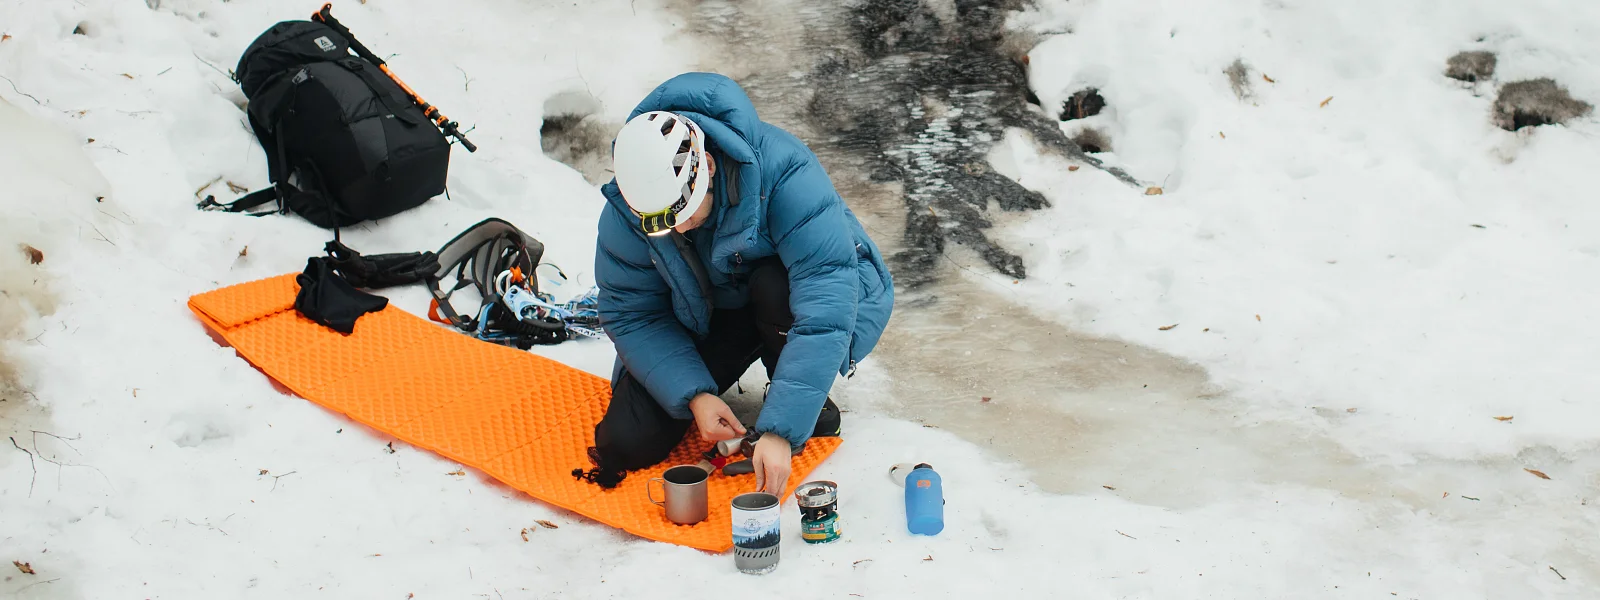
{"type": "Point", "coordinates": [755, 532]}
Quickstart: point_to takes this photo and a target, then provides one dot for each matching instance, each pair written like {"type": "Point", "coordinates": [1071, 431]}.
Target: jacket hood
{"type": "Point", "coordinates": [724, 112]}
{"type": "Point", "coordinates": [716, 103]}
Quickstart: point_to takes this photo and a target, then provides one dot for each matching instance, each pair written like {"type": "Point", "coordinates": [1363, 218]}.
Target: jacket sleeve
{"type": "Point", "coordinates": [809, 225]}
{"type": "Point", "coordinates": [635, 306]}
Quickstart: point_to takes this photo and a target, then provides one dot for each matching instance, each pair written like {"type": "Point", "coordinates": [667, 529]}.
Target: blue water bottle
{"type": "Point", "coordinates": [924, 501]}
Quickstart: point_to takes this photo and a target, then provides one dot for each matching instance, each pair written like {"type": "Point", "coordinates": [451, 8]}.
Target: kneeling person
{"type": "Point", "coordinates": [723, 241]}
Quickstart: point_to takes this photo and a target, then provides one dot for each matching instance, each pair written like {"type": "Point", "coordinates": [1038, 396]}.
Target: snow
{"type": "Point", "coordinates": [1352, 229]}
{"type": "Point", "coordinates": [1348, 228]}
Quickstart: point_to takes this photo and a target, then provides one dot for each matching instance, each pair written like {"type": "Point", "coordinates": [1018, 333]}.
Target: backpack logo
{"type": "Point", "coordinates": [326, 44]}
{"type": "Point", "coordinates": [300, 77]}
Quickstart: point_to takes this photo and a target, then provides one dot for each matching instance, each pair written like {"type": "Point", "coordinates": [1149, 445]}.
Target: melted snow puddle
{"type": "Point", "coordinates": [1080, 413]}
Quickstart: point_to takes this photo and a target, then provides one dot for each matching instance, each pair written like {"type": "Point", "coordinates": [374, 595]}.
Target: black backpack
{"type": "Point", "coordinates": [344, 142]}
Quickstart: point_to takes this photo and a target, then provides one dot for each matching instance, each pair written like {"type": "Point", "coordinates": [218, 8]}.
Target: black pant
{"type": "Point", "coordinates": [636, 432]}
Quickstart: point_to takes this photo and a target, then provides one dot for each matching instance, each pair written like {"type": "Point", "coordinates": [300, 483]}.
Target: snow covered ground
{"type": "Point", "coordinates": [1416, 272]}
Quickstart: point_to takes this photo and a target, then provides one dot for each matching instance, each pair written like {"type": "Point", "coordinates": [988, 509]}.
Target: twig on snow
{"type": "Point", "coordinates": [275, 479]}
{"type": "Point", "coordinates": [61, 465]}
{"type": "Point", "coordinates": [213, 67]}
{"type": "Point", "coordinates": [1558, 574]}
{"type": "Point", "coordinates": [1125, 535]}
{"type": "Point", "coordinates": [207, 185]}
{"type": "Point", "coordinates": [19, 91]}
{"type": "Point", "coordinates": [207, 526]}
{"type": "Point", "coordinates": [31, 464]}
{"type": "Point", "coordinates": [466, 85]}
{"type": "Point", "coordinates": [114, 217]}
{"type": "Point", "coordinates": [103, 237]}
{"type": "Point", "coordinates": [38, 583]}
{"type": "Point", "coordinates": [64, 440]}
{"type": "Point", "coordinates": [579, 68]}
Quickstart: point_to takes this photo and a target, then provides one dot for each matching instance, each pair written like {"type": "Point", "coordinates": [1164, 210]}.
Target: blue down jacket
{"type": "Point", "coordinates": [653, 306]}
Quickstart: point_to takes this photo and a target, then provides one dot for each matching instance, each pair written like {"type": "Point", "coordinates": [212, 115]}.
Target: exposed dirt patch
{"type": "Point", "coordinates": [1471, 66]}
{"type": "Point", "coordinates": [1536, 102]}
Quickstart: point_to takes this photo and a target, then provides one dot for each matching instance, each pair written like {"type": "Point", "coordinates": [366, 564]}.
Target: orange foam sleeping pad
{"type": "Point", "coordinates": [523, 419]}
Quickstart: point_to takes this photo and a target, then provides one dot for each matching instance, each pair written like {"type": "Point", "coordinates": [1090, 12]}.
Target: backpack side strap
{"type": "Point", "coordinates": [247, 202]}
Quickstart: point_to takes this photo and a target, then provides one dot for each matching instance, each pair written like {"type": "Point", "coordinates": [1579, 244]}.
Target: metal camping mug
{"type": "Point", "coordinates": [755, 532]}
{"type": "Point", "coordinates": [683, 494]}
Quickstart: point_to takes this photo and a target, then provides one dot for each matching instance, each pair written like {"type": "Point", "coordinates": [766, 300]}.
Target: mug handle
{"type": "Point", "coordinates": [661, 503]}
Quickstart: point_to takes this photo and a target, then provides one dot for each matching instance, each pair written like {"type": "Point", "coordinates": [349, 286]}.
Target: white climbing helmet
{"type": "Point", "coordinates": [661, 168]}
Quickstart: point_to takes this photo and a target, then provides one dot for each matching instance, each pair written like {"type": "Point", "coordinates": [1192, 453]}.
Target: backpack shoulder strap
{"type": "Point", "coordinates": [266, 115]}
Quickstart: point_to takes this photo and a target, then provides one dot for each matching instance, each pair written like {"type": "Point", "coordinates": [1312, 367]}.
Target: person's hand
{"type": "Point", "coordinates": [715, 419]}
{"type": "Point", "coordinates": [771, 460]}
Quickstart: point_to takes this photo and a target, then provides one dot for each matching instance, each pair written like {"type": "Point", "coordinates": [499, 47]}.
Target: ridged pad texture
{"type": "Point", "coordinates": [523, 419]}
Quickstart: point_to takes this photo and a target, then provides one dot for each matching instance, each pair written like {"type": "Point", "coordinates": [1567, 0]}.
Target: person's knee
{"type": "Point", "coordinates": [632, 449]}
{"type": "Point", "coordinates": [635, 432]}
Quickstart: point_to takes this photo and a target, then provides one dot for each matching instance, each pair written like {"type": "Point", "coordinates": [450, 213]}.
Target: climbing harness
{"type": "Point", "coordinates": [498, 261]}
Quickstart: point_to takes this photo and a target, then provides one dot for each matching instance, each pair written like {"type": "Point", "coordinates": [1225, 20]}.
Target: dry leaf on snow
{"type": "Point", "coordinates": [5, 37]}
{"type": "Point", "coordinates": [24, 567]}
{"type": "Point", "coordinates": [1538, 474]}
{"type": "Point", "coordinates": [1109, 488]}
{"type": "Point", "coordinates": [34, 255]}
{"type": "Point", "coordinates": [1504, 418]}
{"type": "Point", "coordinates": [127, 75]}
{"type": "Point", "coordinates": [1168, 328]}
{"type": "Point", "coordinates": [1349, 410]}
{"type": "Point", "coordinates": [1325, 102]}
{"type": "Point", "coordinates": [263, 472]}
{"type": "Point", "coordinates": [1072, 167]}
{"type": "Point", "coordinates": [985, 399]}
{"type": "Point", "coordinates": [1258, 317]}
{"type": "Point", "coordinates": [458, 473]}
{"type": "Point", "coordinates": [546, 524]}
{"type": "Point", "coordinates": [1152, 191]}
{"type": "Point", "coordinates": [1269, 79]}
{"type": "Point", "coordinates": [524, 534]}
